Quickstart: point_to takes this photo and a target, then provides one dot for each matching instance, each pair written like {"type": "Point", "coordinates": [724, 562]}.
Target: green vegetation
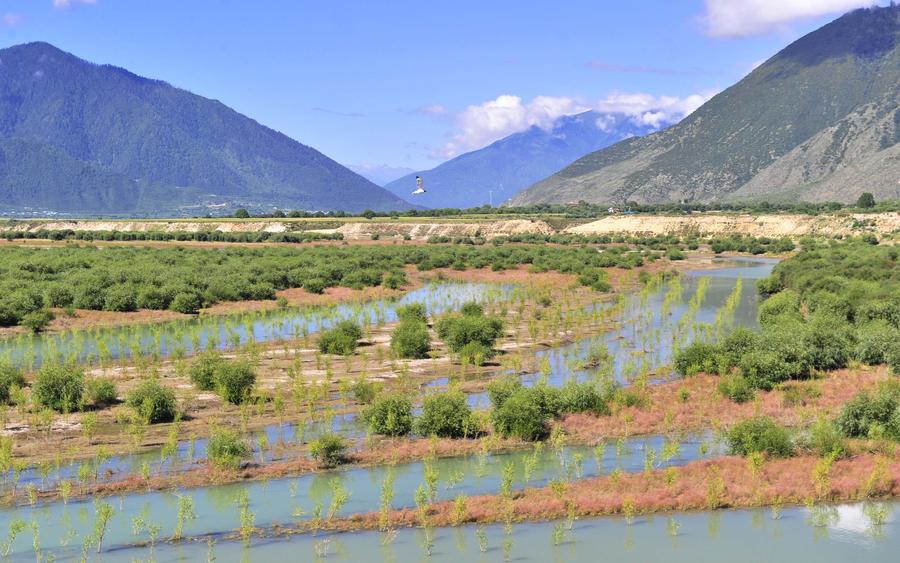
{"type": "Point", "coordinates": [470, 333]}
{"type": "Point", "coordinates": [872, 415]}
{"type": "Point", "coordinates": [825, 307]}
{"type": "Point", "coordinates": [446, 415]}
{"type": "Point", "coordinates": [329, 449]}
{"type": "Point", "coordinates": [153, 401]}
{"type": "Point", "coordinates": [226, 449]}
{"type": "Point", "coordinates": [342, 339]}
{"type": "Point", "coordinates": [523, 412]}
{"type": "Point", "coordinates": [101, 391]}
{"type": "Point", "coordinates": [233, 380]}
{"type": "Point", "coordinates": [59, 387]}
{"type": "Point", "coordinates": [410, 339]}
{"type": "Point", "coordinates": [390, 415]}
{"type": "Point", "coordinates": [759, 435]}
{"type": "Point", "coordinates": [9, 377]}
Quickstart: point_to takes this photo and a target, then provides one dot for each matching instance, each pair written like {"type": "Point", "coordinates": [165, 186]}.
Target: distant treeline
{"type": "Point", "coordinates": [586, 210]}
{"type": "Point", "coordinates": [186, 279]}
{"type": "Point", "coordinates": [718, 244]}
{"type": "Point", "coordinates": [199, 236]}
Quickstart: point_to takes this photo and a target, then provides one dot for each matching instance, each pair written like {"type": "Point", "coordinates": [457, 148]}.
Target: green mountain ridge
{"type": "Point", "coordinates": [818, 121]}
{"type": "Point", "coordinates": [79, 137]}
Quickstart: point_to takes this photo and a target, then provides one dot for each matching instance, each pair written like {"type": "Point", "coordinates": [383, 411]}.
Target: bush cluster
{"type": "Point", "coordinates": [410, 339]}
{"type": "Point", "coordinates": [153, 401]}
{"type": "Point", "coordinates": [59, 387]}
{"type": "Point", "coordinates": [523, 412]}
{"type": "Point", "coordinates": [872, 415]}
{"type": "Point", "coordinates": [760, 434]}
{"type": "Point", "coordinates": [342, 339]}
{"type": "Point", "coordinates": [445, 415]}
{"type": "Point", "coordinates": [470, 333]}
{"type": "Point", "coordinates": [226, 449]}
{"type": "Point", "coordinates": [233, 380]}
{"type": "Point", "coordinates": [390, 415]}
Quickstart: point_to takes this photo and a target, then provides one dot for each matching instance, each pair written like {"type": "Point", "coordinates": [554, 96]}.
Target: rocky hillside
{"type": "Point", "coordinates": [818, 121]}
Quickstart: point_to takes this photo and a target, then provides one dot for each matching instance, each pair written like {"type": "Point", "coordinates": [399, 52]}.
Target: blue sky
{"type": "Point", "coordinates": [405, 83]}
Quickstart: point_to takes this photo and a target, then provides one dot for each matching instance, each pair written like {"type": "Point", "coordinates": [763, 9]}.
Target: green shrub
{"type": "Point", "coordinates": [37, 321]}
{"type": "Point", "coordinates": [764, 369]}
{"type": "Point", "coordinates": [9, 377]}
{"type": "Point", "coordinates": [769, 286]}
{"type": "Point", "coordinates": [155, 402]}
{"type": "Point", "coordinates": [825, 438]}
{"type": "Point", "coordinates": [412, 312]}
{"type": "Point", "coordinates": [329, 449]}
{"type": "Point", "coordinates": [582, 397]}
{"type": "Point", "coordinates": [739, 342]}
{"type": "Point", "coordinates": [101, 391]}
{"type": "Point", "coordinates": [760, 434]}
{"type": "Point", "coordinates": [315, 285]}
{"type": "Point", "coordinates": [472, 309]}
{"type": "Point", "coordinates": [120, 298]}
{"type": "Point", "coordinates": [446, 415]}
{"type": "Point", "coordinates": [390, 415]}
{"type": "Point", "coordinates": [674, 253]}
{"type": "Point", "coordinates": [782, 305]}
{"type": "Point", "coordinates": [226, 449]}
{"type": "Point", "coordinates": [186, 302]}
{"type": "Point", "coordinates": [203, 369]}
{"type": "Point", "coordinates": [696, 357]}
{"type": "Point", "coordinates": [828, 342]}
{"type": "Point", "coordinates": [522, 415]}
{"type": "Point", "coordinates": [410, 339]}
{"type": "Point", "coordinates": [365, 391]}
{"type": "Point", "coordinates": [341, 340]}
{"type": "Point", "coordinates": [875, 342]}
{"type": "Point", "coordinates": [235, 381]}
{"type": "Point", "coordinates": [871, 415]}
{"type": "Point", "coordinates": [501, 389]}
{"type": "Point", "coordinates": [59, 388]}
{"type": "Point", "coordinates": [458, 331]}
{"type": "Point", "coordinates": [737, 388]}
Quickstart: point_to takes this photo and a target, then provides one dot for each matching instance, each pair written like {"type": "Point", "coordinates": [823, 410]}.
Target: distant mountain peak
{"type": "Point", "coordinates": [496, 172]}
{"type": "Point", "coordinates": [820, 120]}
{"type": "Point", "coordinates": [79, 137]}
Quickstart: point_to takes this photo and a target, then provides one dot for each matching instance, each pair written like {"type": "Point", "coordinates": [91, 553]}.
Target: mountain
{"type": "Point", "coordinates": [818, 121]}
{"type": "Point", "coordinates": [78, 137]}
{"type": "Point", "coordinates": [517, 161]}
{"type": "Point", "coordinates": [380, 174]}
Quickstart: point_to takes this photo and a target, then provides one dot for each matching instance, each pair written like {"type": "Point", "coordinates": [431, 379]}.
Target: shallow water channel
{"type": "Point", "coordinates": [652, 321]}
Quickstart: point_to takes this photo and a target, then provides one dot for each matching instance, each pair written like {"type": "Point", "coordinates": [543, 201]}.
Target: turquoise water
{"type": "Point", "coordinates": [202, 333]}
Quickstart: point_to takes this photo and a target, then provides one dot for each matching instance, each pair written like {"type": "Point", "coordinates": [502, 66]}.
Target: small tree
{"type": "Point", "coordinates": [342, 339]}
{"type": "Point", "coordinates": [242, 214]}
{"type": "Point", "coordinates": [235, 381]}
{"type": "Point", "coordinates": [865, 201]}
{"type": "Point", "coordinates": [410, 339]}
{"type": "Point", "coordinates": [9, 377]}
{"type": "Point", "coordinates": [390, 415]}
{"type": "Point", "coordinates": [226, 449]}
{"type": "Point", "coordinates": [59, 387]}
{"type": "Point", "coordinates": [153, 401]}
{"type": "Point", "coordinates": [203, 369]}
{"type": "Point", "coordinates": [446, 415]}
{"type": "Point", "coordinates": [328, 449]}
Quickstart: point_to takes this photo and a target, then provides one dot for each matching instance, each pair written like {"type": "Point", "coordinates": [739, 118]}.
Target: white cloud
{"type": "Point", "coordinates": [70, 3]}
{"type": "Point", "coordinates": [435, 109]}
{"type": "Point", "coordinates": [485, 123]}
{"type": "Point", "coordinates": [11, 20]}
{"type": "Point", "coordinates": [481, 125]}
{"type": "Point", "coordinates": [742, 18]}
